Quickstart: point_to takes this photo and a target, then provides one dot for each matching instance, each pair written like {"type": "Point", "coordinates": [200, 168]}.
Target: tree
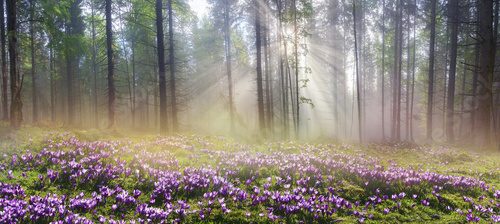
{"type": "Point", "coordinates": [430, 87]}
{"type": "Point", "coordinates": [396, 91]}
{"type": "Point", "coordinates": [94, 63]}
{"type": "Point", "coordinates": [414, 58]}
{"type": "Point", "coordinates": [382, 74]}
{"type": "Point", "coordinates": [171, 63]}
{"type": "Point", "coordinates": [296, 69]}
{"type": "Point", "coordinates": [73, 51]}
{"type": "Point", "coordinates": [16, 104]}
{"type": "Point", "coordinates": [258, 45]}
{"type": "Point", "coordinates": [161, 67]}
{"type": "Point", "coordinates": [453, 11]}
{"type": "Point", "coordinates": [486, 68]}
{"type": "Point", "coordinates": [33, 61]}
{"type": "Point", "coordinates": [111, 79]}
{"type": "Point", "coordinates": [5, 104]}
{"type": "Point", "coordinates": [358, 85]}
{"type": "Point", "coordinates": [227, 50]}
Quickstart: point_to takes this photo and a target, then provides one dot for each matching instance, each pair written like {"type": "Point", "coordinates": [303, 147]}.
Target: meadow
{"type": "Point", "coordinates": [98, 177]}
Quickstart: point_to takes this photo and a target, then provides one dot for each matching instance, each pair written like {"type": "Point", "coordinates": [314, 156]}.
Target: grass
{"type": "Point", "coordinates": [201, 151]}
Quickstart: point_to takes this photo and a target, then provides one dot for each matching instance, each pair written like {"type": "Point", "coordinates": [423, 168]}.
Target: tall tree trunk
{"type": "Point", "coordinates": [16, 104]}
{"type": "Point", "coordinates": [396, 98]}
{"type": "Point", "coordinates": [69, 81]}
{"type": "Point", "coordinates": [413, 70]}
{"type": "Point", "coordinates": [134, 78]}
{"type": "Point", "coordinates": [33, 62]}
{"type": "Point", "coordinates": [265, 42]}
{"type": "Point", "coordinates": [496, 114]}
{"type": "Point", "coordinates": [345, 11]}
{"type": "Point", "coordinates": [171, 62]}
{"type": "Point", "coordinates": [383, 70]}
{"type": "Point", "coordinates": [445, 81]}
{"type": "Point", "coordinates": [282, 76]}
{"type": "Point", "coordinates": [430, 87]}
{"type": "Point", "coordinates": [358, 80]}
{"type": "Point", "coordinates": [5, 104]}
{"type": "Point", "coordinates": [161, 68]}
{"type": "Point", "coordinates": [227, 41]}
{"type": "Point", "coordinates": [71, 62]}
{"type": "Point", "coordinates": [486, 67]}
{"type": "Point", "coordinates": [296, 55]}
{"type": "Point", "coordinates": [94, 67]}
{"type": "Point", "coordinates": [52, 83]}
{"type": "Point", "coordinates": [475, 81]}
{"type": "Point", "coordinates": [462, 98]}
{"type": "Point", "coordinates": [399, 67]}
{"type": "Point", "coordinates": [260, 91]}
{"type": "Point", "coordinates": [110, 56]}
{"type": "Point", "coordinates": [453, 23]}
{"type": "Point", "coordinates": [408, 71]}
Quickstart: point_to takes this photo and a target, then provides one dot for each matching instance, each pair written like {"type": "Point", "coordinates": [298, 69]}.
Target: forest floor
{"type": "Point", "coordinates": [95, 176]}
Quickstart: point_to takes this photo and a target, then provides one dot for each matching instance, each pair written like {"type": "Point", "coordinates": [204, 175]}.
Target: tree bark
{"type": "Point", "coordinates": [413, 70]}
{"type": "Point", "coordinates": [358, 85]}
{"type": "Point", "coordinates": [52, 83]}
{"type": "Point", "coordinates": [227, 40]}
{"type": "Point", "coordinates": [161, 68]}
{"type": "Point", "coordinates": [450, 109]}
{"type": "Point", "coordinates": [33, 62]}
{"type": "Point", "coordinates": [110, 57]}
{"type": "Point", "coordinates": [258, 44]}
{"type": "Point", "coordinates": [16, 104]}
{"type": "Point", "coordinates": [430, 87]}
{"type": "Point", "coordinates": [296, 55]}
{"type": "Point", "coordinates": [383, 70]}
{"type": "Point", "coordinates": [171, 62]}
{"type": "Point", "coordinates": [265, 42]}
{"type": "Point", "coordinates": [94, 67]}
{"type": "Point", "coordinates": [486, 67]}
{"type": "Point", "coordinates": [396, 98]}
{"type": "Point", "coordinates": [5, 76]}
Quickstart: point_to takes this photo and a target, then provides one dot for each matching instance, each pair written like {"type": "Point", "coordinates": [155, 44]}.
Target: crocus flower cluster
{"type": "Point", "coordinates": [113, 182]}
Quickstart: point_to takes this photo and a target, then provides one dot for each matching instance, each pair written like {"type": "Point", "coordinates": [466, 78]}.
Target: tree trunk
{"type": "Point", "coordinates": [52, 84]}
{"type": "Point", "coordinates": [413, 71]}
{"type": "Point", "coordinates": [111, 78]}
{"type": "Point", "coordinates": [171, 62]}
{"type": "Point", "coordinates": [296, 55]}
{"type": "Point", "coordinates": [396, 98]}
{"type": "Point", "coordinates": [408, 71]}
{"type": "Point", "coordinates": [161, 68]}
{"type": "Point", "coordinates": [134, 78]}
{"type": "Point", "coordinates": [496, 114]}
{"type": "Point", "coordinates": [265, 42]}
{"type": "Point", "coordinates": [430, 87]}
{"type": "Point", "coordinates": [282, 76]}
{"type": "Point", "coordinates": [462, 98]}
{"type": "Point", "coordinates": [486, 67]}
{"type": "Point", "coordinates": [16, 104]}
{"type": "Point", "coordinates": [94, 67]}
{"type": "Point", "coordinates": [453, 23]}
{"type": "Point", "coordinates": [360, 132]}
{"type": "Point", "coordinates": [475, 78]}
{"type": "Point", "coordinates": [260, 91]}
{"type": "Point", "coordinates": [33, 62]}
{"type": "Point", "coordinates": [5, 104]}
{"type": "Point", "coordinates": [227, 40]}
{"type": "Point", "coordinates": [383, 70]}
{"type": "Point", "coordinates": [69, 81]}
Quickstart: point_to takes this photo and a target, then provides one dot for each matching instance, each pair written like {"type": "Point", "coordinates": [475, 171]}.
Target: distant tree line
{"type": "Point", "coordinates": [418, 69]}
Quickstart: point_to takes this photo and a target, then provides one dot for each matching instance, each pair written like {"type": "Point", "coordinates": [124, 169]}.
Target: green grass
{"type": "Point", "coordinates": [444, 160]}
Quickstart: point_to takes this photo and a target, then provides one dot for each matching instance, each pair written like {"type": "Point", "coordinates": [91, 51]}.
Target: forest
{"type": "Point", "coordinates": [249, 111]}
